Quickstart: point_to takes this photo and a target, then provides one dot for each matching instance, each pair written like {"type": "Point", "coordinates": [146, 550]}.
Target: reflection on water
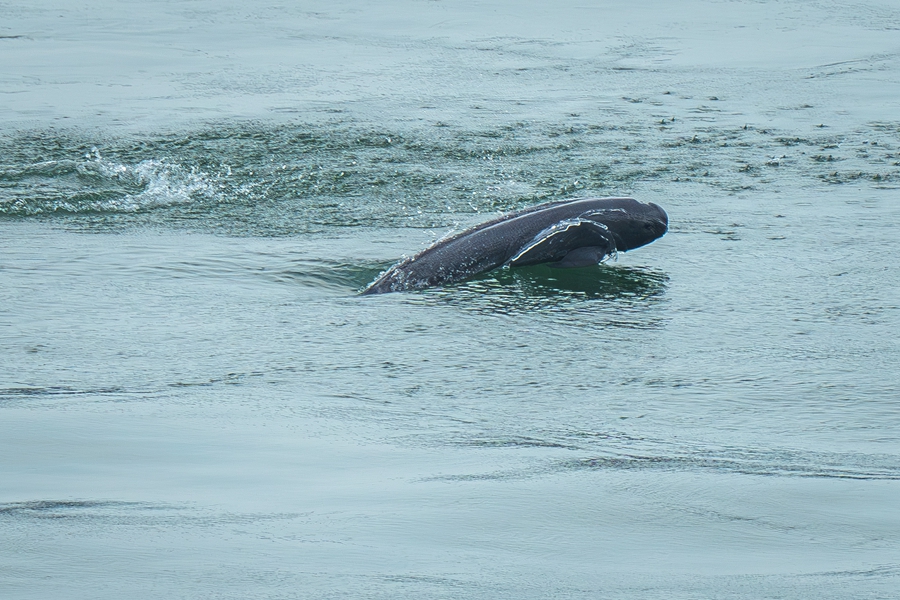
{"type": "Point", "coordinates": [604, 294]}
{"type": "Point", "coordinates": [603, 281]}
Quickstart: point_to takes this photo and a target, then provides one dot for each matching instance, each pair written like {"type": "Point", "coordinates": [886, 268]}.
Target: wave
{"type": "Point", "coordinates": [734, 461]}
{"type": "Point", "coordinates": [761, 463]}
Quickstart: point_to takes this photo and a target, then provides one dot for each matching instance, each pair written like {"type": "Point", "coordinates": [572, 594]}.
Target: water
{"type": "Point", "coordinates": [196, 404]}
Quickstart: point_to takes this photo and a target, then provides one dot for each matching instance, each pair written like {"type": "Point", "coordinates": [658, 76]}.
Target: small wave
{"type": "Point", "coordinates": [329, 275]}
{"type": "Point", "coordinates": [100, 513]}
{"type": "Point", "coordinates": [342, 277]}
{"type": "Point", "coordinates": [62, 509]}
{"type": "Point", "coordinates": [49, 168]}
{"type": "Point", "coordinates": [751, 463]}
{"type": "Point", "coordinates": [39, 392]}
{"type": "Point", "coordinates": [800, 466]}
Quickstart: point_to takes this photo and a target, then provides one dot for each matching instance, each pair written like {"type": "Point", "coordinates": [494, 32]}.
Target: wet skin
{"type": "Point", "coordinates": [572, 233]}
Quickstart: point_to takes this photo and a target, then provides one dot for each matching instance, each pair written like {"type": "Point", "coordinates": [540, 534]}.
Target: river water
{"type": "Point", "coordinates": [195, 402]}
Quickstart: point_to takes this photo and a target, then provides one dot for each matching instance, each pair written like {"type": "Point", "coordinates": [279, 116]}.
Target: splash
{"type": "Point", "coordinates": [99, 185]}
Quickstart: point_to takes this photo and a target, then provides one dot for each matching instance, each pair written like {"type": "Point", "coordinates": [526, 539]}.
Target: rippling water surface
{"type": "Point", "coordinates": [195, 402]}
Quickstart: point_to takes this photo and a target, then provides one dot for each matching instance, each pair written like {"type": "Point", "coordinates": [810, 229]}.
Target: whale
{"type": "Point", "coordinates": [564, 234]}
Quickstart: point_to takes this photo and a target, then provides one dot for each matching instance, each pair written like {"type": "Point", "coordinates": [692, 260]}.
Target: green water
{"type": "Point", "coordinates": [195, 402]}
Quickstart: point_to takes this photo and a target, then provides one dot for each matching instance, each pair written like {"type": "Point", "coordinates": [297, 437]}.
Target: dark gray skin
{"type": "Point", "coordinates": [571, 233]}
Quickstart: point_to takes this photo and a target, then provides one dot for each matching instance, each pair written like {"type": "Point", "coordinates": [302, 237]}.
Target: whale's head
{"type": "Point", "coordinates": [633, 224]}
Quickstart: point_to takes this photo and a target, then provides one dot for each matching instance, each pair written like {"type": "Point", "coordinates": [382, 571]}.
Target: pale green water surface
{"type": "Point", "coordinates": [195, 402]}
